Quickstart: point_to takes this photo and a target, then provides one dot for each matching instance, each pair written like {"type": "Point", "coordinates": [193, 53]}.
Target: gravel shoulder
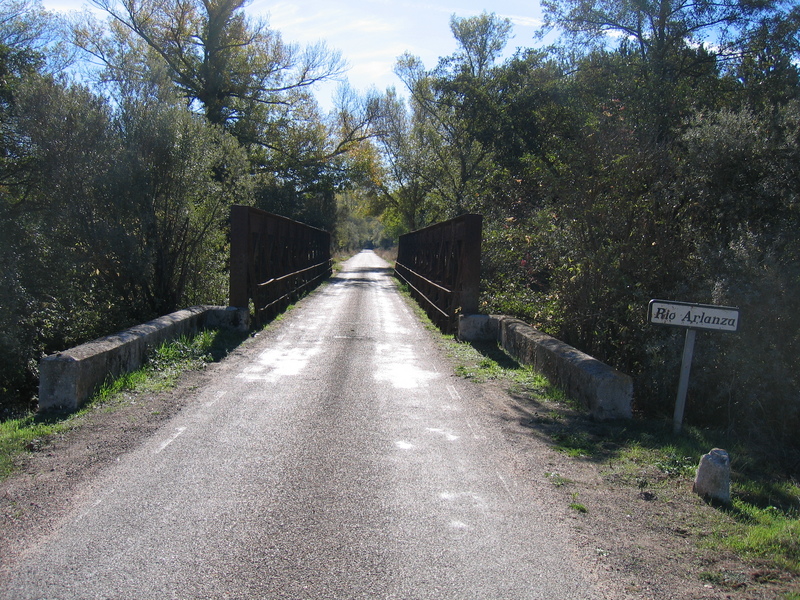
{"type": "Point", "coordinates": [633, 544]}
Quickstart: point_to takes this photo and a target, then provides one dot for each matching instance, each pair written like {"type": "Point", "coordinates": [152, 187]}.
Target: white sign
{"type": "Point", "coordinates": [694, 316]}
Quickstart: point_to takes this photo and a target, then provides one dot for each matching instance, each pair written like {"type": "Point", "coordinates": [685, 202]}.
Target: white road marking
{"type": "Point", "coordinates": [95, 504]}
{"type": "Point", "coordinates": [505, 485]}
{"type": "Point", "coordinates": [445, 432]}
{"type": "Point", "coordinates": [453, 393]}
{"type": "Point", "coordinates": [275, 363]}
{"type": "Point", "coordinates": [174, 437]}
{"type": "Point", "coordinates": [217, 396]}
{"type": "Point", "coordinates": [398, 365]}
{"type": "Point", "coordinates": [474, 433]}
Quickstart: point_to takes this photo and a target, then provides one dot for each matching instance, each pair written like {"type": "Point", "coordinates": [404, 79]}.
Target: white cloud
{"type": "Point", "coordinates": [523, 21]}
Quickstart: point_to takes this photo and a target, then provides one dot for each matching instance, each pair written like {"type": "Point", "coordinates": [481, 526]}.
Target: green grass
{"type": "Point", "coordinates": [575, 444]}
{"type": "Point", "coordinates": [764, 530]}
{"type": "Point", "coordinates": [763, 521]}
{"type": "Point", "coordinates": [483, 362]}
{"type": "Point", "coordinates": [558, 480]}
{"type": "Point", "coordinates": [28, 433]}
{"type": "Point", "coordinates": [161, 370]}
{"type": "Point", "coordinates": [577, 506]}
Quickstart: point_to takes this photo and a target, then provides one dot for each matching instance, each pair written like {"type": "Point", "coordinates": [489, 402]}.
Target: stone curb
{"type": "Point", "coordinates": [67, 379]}
{"type": "Point", "coordinates": [604, 391]}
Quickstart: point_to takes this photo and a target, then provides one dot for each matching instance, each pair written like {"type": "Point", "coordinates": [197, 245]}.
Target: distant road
{"type": "Point", "coordinates": [342, 460]}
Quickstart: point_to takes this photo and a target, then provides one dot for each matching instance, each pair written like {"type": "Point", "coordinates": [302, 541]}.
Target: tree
{"type": "Point", "coordinates": [175, 180]}
{"type": "Point", "coordinates": [446, 106]}
{"type": "Point", "coordinates": [242, 77]}
{"type": "Point", "coordinates": [768, 69]}
{"type": "Point", "coordinates": [224, 63]}
{"type": "Point", "coordinates": [114, 215]}
{"type": "Point", "coordinates": [670, 46]}
{"type": "Point", "coordinates": [657, 29]}
{"type": "Point", "coordinates": [62, 152]}
{"type": "Point", "coordinates": [401, 189]}
{"type": "Point", "coordinates": [26, 27]}
{"type": "Point", "coordinates": [481, 40]}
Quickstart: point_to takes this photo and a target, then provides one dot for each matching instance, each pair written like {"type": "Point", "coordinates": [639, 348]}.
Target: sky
{"type": "Point", "coordinates": [371, 34]}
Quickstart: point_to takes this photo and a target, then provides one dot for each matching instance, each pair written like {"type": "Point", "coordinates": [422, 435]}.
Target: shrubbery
{"type": "Point", "coordinates": [658, 164]}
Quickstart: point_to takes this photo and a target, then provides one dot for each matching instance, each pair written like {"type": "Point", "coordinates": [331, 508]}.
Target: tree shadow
{"type": "Point", "coordinates": [225, 342]}
{"type": "Point", "coordinates": [563, 423]}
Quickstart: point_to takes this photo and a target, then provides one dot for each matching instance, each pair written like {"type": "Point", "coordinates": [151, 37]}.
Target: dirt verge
{"type": "Point", "coordinates": [649, 536]}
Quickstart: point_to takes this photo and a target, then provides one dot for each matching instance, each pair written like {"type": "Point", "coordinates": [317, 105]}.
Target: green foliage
{"type": "Point", "coordinates": [631, 171]}
{"type": "Point", "coordinates": [182, 354]}
{"type": "Point", "coordinates": [182, 175]}
{"type": "Point", "coordinates": [455, 165]}
{"type": "Point", "coordinates": [577, 506]}
{"type": "Point", "coordinates": [355, 228]}
{"type": "Point", "coordinates": [119, 215]}
{"type": "Point", "coordinates": [21, 434]}
{"type": "Point", "coordinates": [766, 533]}
{"type": "Point", "coordinates": [32, 431]}
{"type": "Point", "coordinates": [665, 49]}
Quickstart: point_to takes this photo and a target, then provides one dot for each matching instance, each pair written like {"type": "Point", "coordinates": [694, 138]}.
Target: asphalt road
{"type": "Point", "coordinates": [341, 460]}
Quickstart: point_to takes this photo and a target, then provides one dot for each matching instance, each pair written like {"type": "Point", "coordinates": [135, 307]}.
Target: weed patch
{"type": "Point", "coordinates": [161, 370]}
{"type": "Point", "coordinates": [763, 522]}
{"type": "Point", "coordinates": [772, 533]}
{"type": "Point", "coordinates": [28, 433]}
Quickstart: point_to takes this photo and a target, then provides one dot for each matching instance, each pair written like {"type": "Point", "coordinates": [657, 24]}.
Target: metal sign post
{"type": "Point", "coordinates": [683, 383]}
{"type": "Point", "coordinates": [693, 317]}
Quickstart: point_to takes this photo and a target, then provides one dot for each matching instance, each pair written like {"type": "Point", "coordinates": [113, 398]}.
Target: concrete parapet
{"type": "Point", "coordinates": [67, 379]}
{"type": "Point", "coordinates": [479, 328]}
{"type": "Point", "coordinates": [606, 392]}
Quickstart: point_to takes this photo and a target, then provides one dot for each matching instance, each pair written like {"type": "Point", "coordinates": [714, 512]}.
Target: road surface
{"type": "Point", "coordinates": [342, 459]}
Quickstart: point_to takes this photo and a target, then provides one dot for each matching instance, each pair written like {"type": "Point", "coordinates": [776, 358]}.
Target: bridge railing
{"type": "Point", "coordinates": [274, 260]}
{"type": "Point", "coordinates": [441, 265]}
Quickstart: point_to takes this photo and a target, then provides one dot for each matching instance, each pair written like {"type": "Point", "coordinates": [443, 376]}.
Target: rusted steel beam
{"type": "Point", "coordinates": [421, 296]}
{"type": "Point", "coordinates": [273, 259]}
{"type": "Point", "coordinates": [240, 264]}
{"type": "Point", "coordinates": [428, 281]}
{"type": "Point", "coordinates": [444, 263]}
{"type": "Point", "coordinates": [300, 272]}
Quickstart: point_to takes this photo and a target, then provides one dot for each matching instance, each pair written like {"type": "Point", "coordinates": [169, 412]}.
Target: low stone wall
{"type": "Point", "coordinates": [67, 379]}
{"type": "Point", "coordinates": [606, 392]}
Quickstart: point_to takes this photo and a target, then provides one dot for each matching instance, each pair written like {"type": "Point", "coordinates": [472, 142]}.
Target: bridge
{"type": "Point", "coordinates": [275, 260]}
{"type": "Point", "coordinates": [335, 456]}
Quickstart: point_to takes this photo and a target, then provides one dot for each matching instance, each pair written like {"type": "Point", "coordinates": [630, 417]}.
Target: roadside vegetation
{"type": "Point", "coordinates": [161, 370]}
{"type": "Point", "coordinates": [762, 523]}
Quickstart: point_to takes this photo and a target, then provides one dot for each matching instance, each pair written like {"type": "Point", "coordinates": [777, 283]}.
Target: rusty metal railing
{"type": "Point", "coordinates": [441, 265]}
{"type": "Point", "coordinates": [274, 260]}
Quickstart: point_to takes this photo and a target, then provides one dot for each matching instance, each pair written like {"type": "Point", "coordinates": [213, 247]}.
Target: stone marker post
{"type": "Point", "coordinates": [713, 480]}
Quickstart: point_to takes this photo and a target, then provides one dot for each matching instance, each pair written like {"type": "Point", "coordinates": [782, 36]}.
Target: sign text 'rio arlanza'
{"type": "Point", "coordinates": [695, 316]}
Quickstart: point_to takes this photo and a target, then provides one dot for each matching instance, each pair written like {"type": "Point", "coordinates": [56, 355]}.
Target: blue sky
{"type": "Point", "coordinates": [371, 34]}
